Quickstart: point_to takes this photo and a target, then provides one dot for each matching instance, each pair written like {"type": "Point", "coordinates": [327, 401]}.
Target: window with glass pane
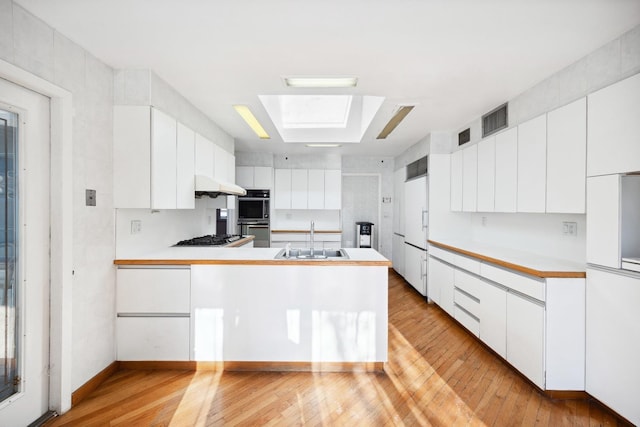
{"type": "Point", "coordinates": [8, 254]}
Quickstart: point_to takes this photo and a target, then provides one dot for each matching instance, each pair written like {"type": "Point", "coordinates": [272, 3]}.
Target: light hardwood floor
{"type": "Point", "coordinates": [437, 374]}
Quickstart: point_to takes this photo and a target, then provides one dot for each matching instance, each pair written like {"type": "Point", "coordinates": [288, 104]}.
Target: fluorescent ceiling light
{"type": "Point", "coordinates": [251, 120]}
{"type": "Point", "coordinates": [315, 111]}
{"type": "Point", "coordinates": [399, 115]}
{"type": "Point", "coordinates": [322, 82]}
{"type": "Point", "coordinates": [323, 145]}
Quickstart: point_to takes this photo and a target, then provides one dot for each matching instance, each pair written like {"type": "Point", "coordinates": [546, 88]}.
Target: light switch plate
{"type": "Point", "coordinates": [90, 197]}
{"type": "Point", "coordinates": [136, 226]}
{"type": "Point", "coordinates": [570, 228]}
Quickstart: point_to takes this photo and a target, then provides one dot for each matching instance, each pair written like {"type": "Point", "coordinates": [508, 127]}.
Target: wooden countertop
{"type": "Point", "coordinates": [307, 231]}
{"type": "Point", "coordinates": [240, 242]}
{"type": "Point", "coordinates": [523, 262]}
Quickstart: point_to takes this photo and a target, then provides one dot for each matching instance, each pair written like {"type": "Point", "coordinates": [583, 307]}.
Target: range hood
{"type": "Point", "coordinates": [206, 186]}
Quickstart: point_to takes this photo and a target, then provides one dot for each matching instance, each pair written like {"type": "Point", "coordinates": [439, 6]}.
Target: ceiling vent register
{"type": "Point", "coordinates": [464, 136]}
{"type": "Point", "coordinates": [418, 168]}
{"type": "Point", "coordinates": [495, 120]}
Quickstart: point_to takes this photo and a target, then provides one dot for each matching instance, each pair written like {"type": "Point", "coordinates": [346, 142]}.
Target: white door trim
{"type": "Point", "coordinates": [61, 230]}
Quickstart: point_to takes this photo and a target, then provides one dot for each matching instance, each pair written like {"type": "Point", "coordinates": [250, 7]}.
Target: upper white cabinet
{"type": "Point", "coordinates": [153, 160]}
{"type": "Point", "coordinates": [185, 173]}
{"type": "Point", "coordinates": [486, 174]}
{"type": "Point", "coordinates": [470, 178]}
{"type": "Point", "coordinates": [613, 128]}
{"type": "Point", "coordinates": [603, 220]}
{"type": "Point", "coordinates": [224, 165]}
{"type": "Point", "coordinates": [566, 158]}
{"type": "Point", "coordinates": [532, 161]}
{"type": "Point", "coordinates": [456, 180]}
{"type": "Point", "coordinates": [205, 151]}
{"type": "Point", "coordinates": [506, 171]}
{"type": "Point", "coordinates": [254, 177]}
{"type": "Point", "coordinates": [308, 189]}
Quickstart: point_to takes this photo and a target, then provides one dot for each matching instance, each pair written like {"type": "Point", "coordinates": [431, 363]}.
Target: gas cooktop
{"type": "Point", "coordinates": [210, 240]}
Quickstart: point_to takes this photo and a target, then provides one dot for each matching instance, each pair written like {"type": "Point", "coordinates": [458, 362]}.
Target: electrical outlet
{"type": "Point", "coordinates": [90, 197]}
{"type": "Point", "coordinates": [386, 200]}
{"type": "Point", "coordinates": [484, 221]}
{"type": "Point", "coordinates": [570, 228]}
{"type": "Point", "coordinates": [136, 226]}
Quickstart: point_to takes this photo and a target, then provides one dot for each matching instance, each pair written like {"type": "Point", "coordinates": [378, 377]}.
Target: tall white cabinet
{"type": "Point", "coordinates": [416, 218]}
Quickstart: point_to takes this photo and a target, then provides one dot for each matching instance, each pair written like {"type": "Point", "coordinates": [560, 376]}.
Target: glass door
{"type": "Point", "coordinates": [8, 256]}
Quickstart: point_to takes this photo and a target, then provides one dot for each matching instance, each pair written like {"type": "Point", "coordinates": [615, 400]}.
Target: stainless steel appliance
{"type": "Point", "coordinates": [253, 217]}
{"type": "Point", "coordinates": [364, 234]}
{"type": "Point", "coordinates": [210, 240]}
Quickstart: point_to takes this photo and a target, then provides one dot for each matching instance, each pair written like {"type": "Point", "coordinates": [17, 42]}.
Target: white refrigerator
{"type": "Point", "coordinates": [416, 225]}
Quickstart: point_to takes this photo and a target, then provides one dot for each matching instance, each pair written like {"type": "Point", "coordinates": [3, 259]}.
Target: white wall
{"type": "Point", "coordinates": [31, 44]}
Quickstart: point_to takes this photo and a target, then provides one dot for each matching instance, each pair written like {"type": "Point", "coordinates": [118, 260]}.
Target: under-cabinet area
{"type": "Point", "coordinates": [534, 320]}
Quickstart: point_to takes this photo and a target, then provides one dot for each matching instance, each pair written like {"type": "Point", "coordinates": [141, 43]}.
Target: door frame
{"type": "Point", "coordinates": [61, 226]}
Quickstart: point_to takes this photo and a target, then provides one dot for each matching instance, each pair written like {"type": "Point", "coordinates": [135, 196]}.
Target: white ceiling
{"type": "Point", "coordinates": [455, 59]}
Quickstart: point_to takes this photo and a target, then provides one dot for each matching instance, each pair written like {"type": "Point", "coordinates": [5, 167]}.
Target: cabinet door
{"type": "Point", "coordinates": [398, 254]}
{"type": "Point", "coordinates": [603, 220]}
{"type": "Point", "coordinates": [416, 212]}
{"type": "Point", "coordinates": [470, 179]}
{"type": "Point", "coordinates": [131, 157]}
{"type": "Point", "coordinates": [245, 176]}
{"type": "Point", "coordinates": [456, 181]}
{"type": "Point", "coordinates": [415, 274]}
{"type": "Point", "coordinates": [153, 290]}
{"type": "Point", "coordinates": [283, 189]}
{"type": "Point", "coordinates": [316, 189]}
{"type": "Point", "coordinates": [204, 156]}
{"type": "Point", "coordinates": [532, 161]}
{"type": "Point", "coordinates": [566, 158]}
{"type": "Point", "coordinates": [613, 341]}
{"type": "Point", "coordinates": [263, 177]}
{"type": "Point", "coordinates": [299, 189]}
{"type": "Point", "coordinates": [185, 173]}
{"type": "Point", "coordinates": [163, 160]}
{"type": "Point", "coordinates": [486, 174]}
{"type": "Point", "coordinates": [441, 282]}
{"type": "Point", "coordinates": [333, 189]}
{"type": "Point", "coordinates": [506, 171]}
{"type": "Point", "coordinates": [493, 317]}
{"type": "Point", "coordinates": [613, 128]}
{"type": "Point", "coordinates": [152, 338]}
{"type": "Point", "coordinates": [525, 337]}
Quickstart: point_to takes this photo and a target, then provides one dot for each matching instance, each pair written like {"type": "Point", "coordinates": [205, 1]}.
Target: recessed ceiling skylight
{"type": "Point", "coordinates": [325, 82]}
{"type": "Point", "coordinates": [315, 111]}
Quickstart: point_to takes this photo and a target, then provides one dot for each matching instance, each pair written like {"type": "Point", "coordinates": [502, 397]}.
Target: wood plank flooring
{"type": "Point", "coordinates": [437, 375]}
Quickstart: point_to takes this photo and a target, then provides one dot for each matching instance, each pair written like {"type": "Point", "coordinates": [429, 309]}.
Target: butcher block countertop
{"type": "Point", "coordinates": [524, 262]}
{"type": "Point", "coordinates": [189, 255]}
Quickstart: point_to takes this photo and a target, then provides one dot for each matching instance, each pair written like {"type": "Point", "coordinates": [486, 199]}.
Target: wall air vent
{"type": "Point", "coordinates": [495, 120]}
{"type": "Point", "coordinates": [464, 136]}
{"type": "Point", "coordinates": [418, 168]}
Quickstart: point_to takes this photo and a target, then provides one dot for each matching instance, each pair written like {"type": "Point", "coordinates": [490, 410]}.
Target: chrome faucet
{"type": "Point", "coordinates": [311, 239]}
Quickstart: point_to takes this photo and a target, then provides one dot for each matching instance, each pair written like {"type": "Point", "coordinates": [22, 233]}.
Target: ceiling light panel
{"type": "Point", "coordinates": [315, 111]}
{"type": "Point", "coordinates": [323, 145]}
{"type": "Point", "coordinates": [320, 82]}
{"type": "Point", "coordinates": [399, 115]}
{"type": "Point", "coordinates": [251, 120]}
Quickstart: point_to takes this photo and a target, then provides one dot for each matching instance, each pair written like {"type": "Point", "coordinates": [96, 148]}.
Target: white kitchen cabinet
{"type": "Point", "coordinates": [613, 341]}
{"type": "Point", "coordinates": [398, 201]}
{"type": "Point", "coordinates": [244, 176]}
{"type": "Point", "coordinates": [299, 188]}
{"type": "Point", "coordinates": [398, 253]}
{"type": "Point", "coordinates": [603, 220]}
{"type": "Point", "coordinates": [441, 283]}
{"type": "Point", "coordinates": [416, 212]}
{"type": "Point", "coordinates": [506, 185]}
{"type": "Point", "coordinates": [493, 317]}
{"type": "Point", "coordinates": [153, 313]}
{"type": "Point", "coordinates": [486, 174]}
{"type": "Point", "coordinates": [613, 128]}
{"type": "Point", "coordinates": [282, 196]}
{"type": "Point", "coordinates": [525, 336]}
{"type": "Point", "coordinates": [163, 160]}
{"type": "Point", "coordinates": [415, 268]}
{"type": "Point", "coordinates": [470, 179]}
{"type": "Point", "coordinates": [333, 189]}
{"type": "Point", "coordinates": [260, 177]}
{"type": "Point", "coordinates": [185, 173]}
{"type": "Point", "coordinates": [532, 165]}
{"type": "Point", "coordinates": [456, 181]}
{"type": "Point", "coordinates": [315, 188]}
{"type": "Point", "coordinates": [566, 158]}
{"type": "Point", "coordinates": [205, 152]}
{"type": "Point", "coordinates": [224, 165]}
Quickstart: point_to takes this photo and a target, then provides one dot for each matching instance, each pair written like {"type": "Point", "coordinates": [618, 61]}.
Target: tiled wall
{"type": "Point", "coordinates": [31, 44]}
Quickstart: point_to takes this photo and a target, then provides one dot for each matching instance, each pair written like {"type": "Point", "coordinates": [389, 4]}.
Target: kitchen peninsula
{"type": "Point", "coordinates": [245, 309]}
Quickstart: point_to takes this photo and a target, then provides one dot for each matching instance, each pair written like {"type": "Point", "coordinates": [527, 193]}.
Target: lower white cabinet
{"type": "Point", "coordinates": [613, 341]}
{"type": "Point", "coordinates": [415, 268]}
{"type": "Point", "coordinates": [525, 336]}
{"type": "Point", "coordinates": [493, 315]}
{"type": "Point", "coordinates": [153, 313]}
{"type": "Point", "coordinates": [441, 284]}
{"type": "Point", "coordinates": [397, 243]}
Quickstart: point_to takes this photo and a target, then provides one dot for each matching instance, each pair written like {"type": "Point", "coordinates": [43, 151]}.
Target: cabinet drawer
{"type": "Point", "coordinates": [466, 301]}
{"type": "Point", "coordinates": [468, 283]}
{"type": "Point", "coordinates": [153, 290]}
{"type": "Point", "coordinates": [467, 263]}
{"type": "Point", "coordinates": [467, 320]}
{"type": "Point", "coordinates": [535, 288]}
{"type": "Point", "coordinates": [152, 338]}
{"type": "Point", "coordinates": [442, 254]}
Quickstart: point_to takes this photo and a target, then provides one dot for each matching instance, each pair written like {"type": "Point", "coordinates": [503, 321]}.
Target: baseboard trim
{"type": "Point", "coordinates": [84, 390]}
{"type": "Point", "coordinates": [567, 394]}
{"type": "Point", "coordinates": [255, 366]}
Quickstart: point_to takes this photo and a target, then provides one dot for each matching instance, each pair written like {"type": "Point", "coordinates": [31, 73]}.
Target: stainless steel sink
{"type": "Point", "coordinates": [319, 254]}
